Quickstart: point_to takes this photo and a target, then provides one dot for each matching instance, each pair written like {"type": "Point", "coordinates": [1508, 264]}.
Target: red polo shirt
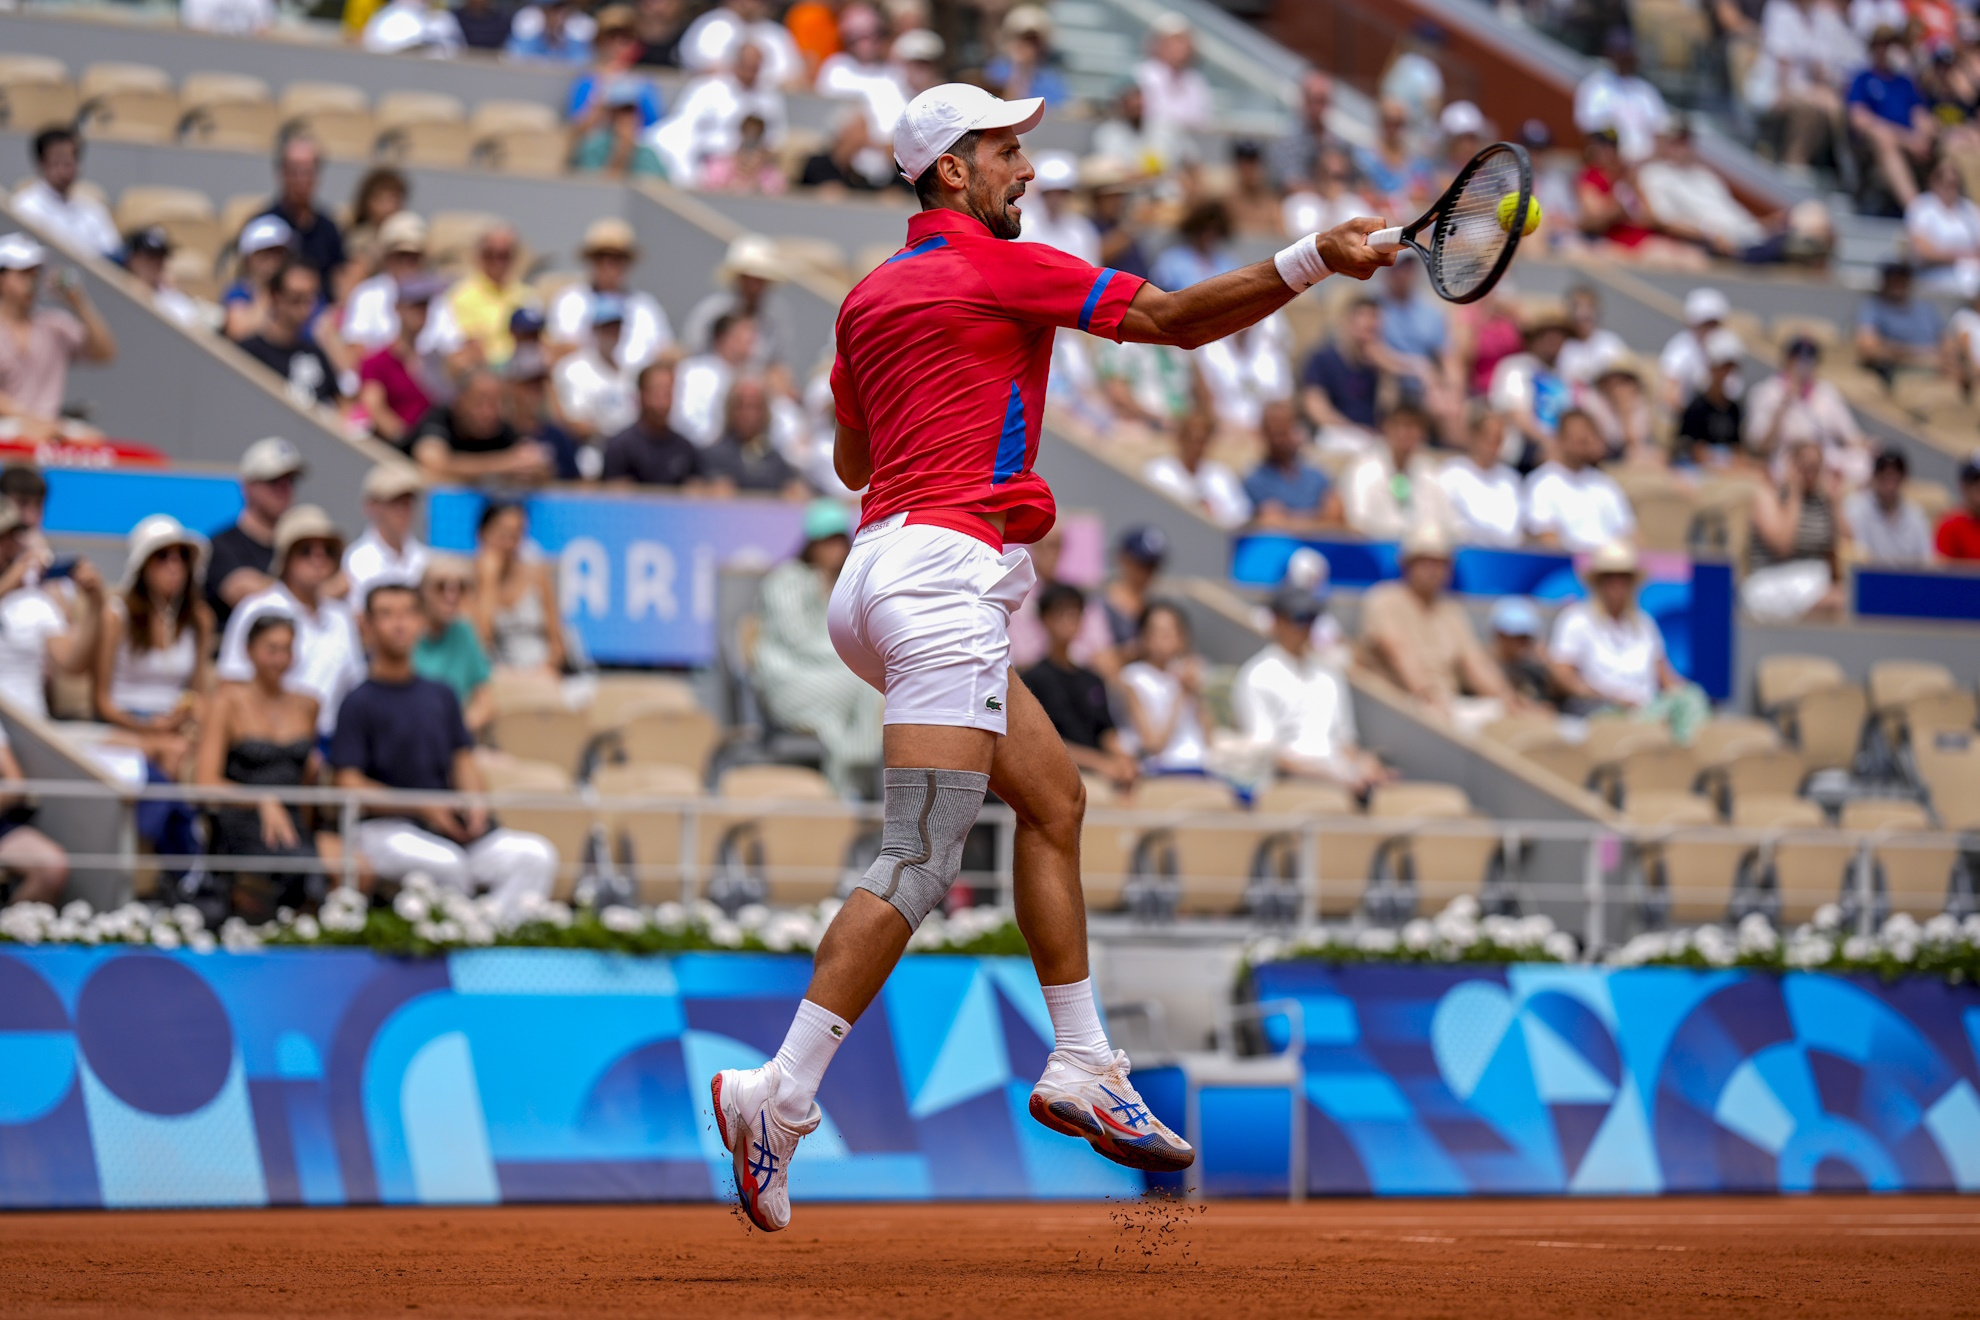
{"type": "Point", "coordinates": [943, 353]}
{"type": "Point", "coordinates": [1959, 536]}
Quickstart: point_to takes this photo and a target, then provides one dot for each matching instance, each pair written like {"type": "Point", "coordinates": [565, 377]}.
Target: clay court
{"type": "Point", "coordinates": [1829, 1256]}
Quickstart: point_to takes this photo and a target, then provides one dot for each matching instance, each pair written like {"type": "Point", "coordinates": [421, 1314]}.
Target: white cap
{"type": "Point", "coordinates": [1057, 171]}
{"type": "Point", "coordinates": [936, 118]}
{"type": "Point", "coordinates": [264, 232]}
{"type": "Point", "coordinates": [1722, 345]}
{"type": "Point", "coordinates": [266, 460]}
{"type": "Point", "coordinates": [1461, 118]}
{"type": "Point", "coordinates": [19, 252]}
{"type": "Point", "coordinates": [1171, 24]}
{"type": "Point", "coordinates": [919, 44]}
{"type": "Point", "coordinates": [1702, 305]}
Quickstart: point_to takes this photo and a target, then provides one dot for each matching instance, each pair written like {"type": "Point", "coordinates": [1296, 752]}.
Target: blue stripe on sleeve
{"type": "Point", "coordinates": [926, 245]}
{"type": "Point", "coordinates": [1093, 298]}
{"type": "Point", "coordinates": [1010, 446]}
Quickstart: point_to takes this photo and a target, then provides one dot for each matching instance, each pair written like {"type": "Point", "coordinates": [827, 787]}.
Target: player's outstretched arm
{"type": "Point", "coordinates": [1225, 304]}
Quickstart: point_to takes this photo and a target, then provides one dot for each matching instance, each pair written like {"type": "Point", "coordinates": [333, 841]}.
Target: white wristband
{"type": "Point", "coordinates": [1300, 265]}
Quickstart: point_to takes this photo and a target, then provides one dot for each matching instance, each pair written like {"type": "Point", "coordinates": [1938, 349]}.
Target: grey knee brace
{"type": "Point", "coordinates": [928, 814]}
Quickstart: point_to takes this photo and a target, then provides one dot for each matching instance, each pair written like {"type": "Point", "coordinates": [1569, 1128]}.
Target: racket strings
{"type": "Point", "coordinates": [1466, 245]}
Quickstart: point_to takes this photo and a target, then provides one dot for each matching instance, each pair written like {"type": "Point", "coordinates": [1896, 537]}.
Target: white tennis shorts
{"type": "Point", "coordinates": [923, 614]}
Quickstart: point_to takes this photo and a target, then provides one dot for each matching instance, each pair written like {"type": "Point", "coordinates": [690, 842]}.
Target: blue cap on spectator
{"type": "Point", "coordinates": [1297, 605]}
{"type": "Point", "coordinates": [525, 321]}
{"type": "Point", "coordinates": [610, 307]}
{"type": "Point", "coordinates": [1145, 545]}
{"type": "Point", "coordinates": [1515, 616]}
{"type": "Point", "coordinates": [823, 518]}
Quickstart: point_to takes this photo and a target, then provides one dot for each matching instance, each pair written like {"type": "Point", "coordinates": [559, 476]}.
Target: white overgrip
{"type": "Point", "coordinates": [1386, 240]}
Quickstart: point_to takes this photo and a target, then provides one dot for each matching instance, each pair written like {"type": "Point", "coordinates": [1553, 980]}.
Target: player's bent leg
{"type": "Point", "coordinates": [1085, 1091]}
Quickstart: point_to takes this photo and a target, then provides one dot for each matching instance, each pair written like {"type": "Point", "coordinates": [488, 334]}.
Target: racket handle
{"type": "Point", "coordinates": [1386, 240]}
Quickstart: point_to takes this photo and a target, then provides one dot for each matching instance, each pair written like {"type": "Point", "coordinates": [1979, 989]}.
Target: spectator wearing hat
{"type": "Point", "coordinates": [242, 555]}
{"type": "Point", "coordinates": [1896, 330]}
{"type": "Point", "coordinates": [1796, 402]}
{"type": "Point", "coordinates": [1288, 700]}
{"type": "Point", "coordinates": [329, 662]}
{"type": "Point", "coordinates": [1026, 66]}
{"type": "Point", "coordinates": [1138, 559]}
{"type": "Point", "coordinates": [744, 460]}
{"type": "Point", "coordinates": [1621, 408]}
{"type": "Point", "coordinates": [1709, 431]}
{"type": "Point", "coordinates": [750, 274]}
{"type": "Point", "coordinates": [371, 309]}
{"type": "Point", "coordinates": [1192, 478]}
{"type": "Point", "coordinates": [1295, 155]}
{"type": "Point", "coordinates": [1684, 366]}
{"type": "Point", "coordinates": [265, 246]}
{"type": "Point", "coordinates": [1419, 638]}
{"type": "Point", "coordinates": [1054, 222]}
{"type": "Point", "coordinates": [37, 344]}
{"type": "Point", "coordinates": [1609, 653]}
{"type": "Point", "coordinates": [147, 256]}
{"type": "Point", "coordinates": [1942, 228]}
{"type": "Point", "coordinates": [803, 682]}
{"type": "Point", "coordinates": [1799, 542]}
{"type": "Point", "coordinates": [1393, 487]}
{"type": "Point", "coordinates": [396, 384]}
{"type": "Point", "coordinates": [450, 651]}
{"type": "Point", "coordinates": [650, 452]}
{"type": "Point", "coordinates": [1486, 499]}
{"type": "Point", "coordinates": [553, 31]}
{"type": "Point", "coordinates": [613, 145]}
{"type": "Point", "coordinates": [470, 441]}
{"type": "Point", "coordinates": [1570, 501]}
{"type": "Point", "coordinates": [413, 27]}
{"type": "Point", "coordinates": [1072, 696]}
{"type": "Point", "coordinates": [387, 550]}
{"type": "Point", "coordinates": [1889, 117]}
{"type": "Point", "coordinates": [314, 236]}
{"type": "Point", "coordinates": [596, 396]}
{"type": "Point", "coordinates": [284, 343]}
{"type": "Point", "coordinates": [398, 730]}
{"type": "Point", "coordinates": [76, 221]}
{"type": "Point", "coordinates": [530, 406]}
{"type": "Point", "coordinates": [1174, 90]}
{"type": "Point", "coordinates": [37, 639]}
{"type": "Point", "coordinates": [480, 303]}
{"type": "Point", "coordinates": [615, 49]}
{"type": "Point", "coordinates": [1517, 650]}
{"type": "Point", "coordinates": [706, 124]}
{"type": "Point", "coordinates": [1284, 492]}
{"type": "Point", "coordinates": [1959, 531]}
{"type": "Point", "coordinates": [701, 383]}
{"type": "Point", "coordinates": [711, 41]}
{"type": "Point", "coordinates": [1162, 694]}
{"type": "Point", "coordinates": [609, 252]}
{"type": "Point", "coordinates": [1462, 126]}
{"type": "Point", "coordinates": [1614, 96]}
{"type": "Point", "coordinates": [1887, 529]}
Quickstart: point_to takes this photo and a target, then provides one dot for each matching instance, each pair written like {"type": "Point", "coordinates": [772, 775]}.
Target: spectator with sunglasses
{"type": "Point", "coordinates": [450, 651]}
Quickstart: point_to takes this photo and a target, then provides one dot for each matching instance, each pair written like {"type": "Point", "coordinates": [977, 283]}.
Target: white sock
{"type": "Point", "coordinates": [1076, 1028]}
{"type": "Point", "coordinates": [807, 1052]}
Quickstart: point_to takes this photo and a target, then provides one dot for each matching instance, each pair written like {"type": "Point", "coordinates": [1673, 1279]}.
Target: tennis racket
{"type": "Point", "coordinates": [1468, 248]}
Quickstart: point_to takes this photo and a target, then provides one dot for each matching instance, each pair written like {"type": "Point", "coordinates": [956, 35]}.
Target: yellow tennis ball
{"type": "Point", "coordinates": [1510, 203]}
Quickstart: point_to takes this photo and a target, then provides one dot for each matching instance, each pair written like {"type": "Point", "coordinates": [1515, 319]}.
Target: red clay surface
{"type": "Point", "coordinates": [1828, 1256]}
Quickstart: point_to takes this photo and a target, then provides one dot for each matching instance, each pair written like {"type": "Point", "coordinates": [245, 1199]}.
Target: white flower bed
{"type": "Point", "coordinates": [1458, 934]}
{"type": "Point", "coordinates": [1943, 946]}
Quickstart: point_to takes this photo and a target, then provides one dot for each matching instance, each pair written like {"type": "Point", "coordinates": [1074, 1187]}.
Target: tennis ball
{"type": "Point", "coordinates": [1510, 203]}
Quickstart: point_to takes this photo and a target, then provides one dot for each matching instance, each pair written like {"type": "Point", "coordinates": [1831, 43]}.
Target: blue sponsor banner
{"type": "Point", "coordinates": [86, 502]}
{"type": "Point", "coordinates": [1691, 600]}
{"type": "Point", "coordinates": [1900, 594]}
{"type": "Point", "coordinates": [636, 571]}
{"type": "Point", "coordinates": [132, 1077]}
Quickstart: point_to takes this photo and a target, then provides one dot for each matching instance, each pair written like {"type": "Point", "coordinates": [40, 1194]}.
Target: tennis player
{"type": "Point", "coordinates": [939, 384]}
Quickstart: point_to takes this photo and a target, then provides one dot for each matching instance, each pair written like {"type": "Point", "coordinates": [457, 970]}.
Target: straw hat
{"type": "Point", "coordinates": [304, 522]}
{"type": "Point", "coordinates": [1426, 540]}
{"type": "Point", "coordinates": [753, 255]}
{"type": "Point", "coordinates": [159, 532]}
{"type": "Point", "coordinates": [1615, 557]}
{"type": "Point", "coordinates": [391, 481]}
{"type": "Point", "coordinates": [609, 234]}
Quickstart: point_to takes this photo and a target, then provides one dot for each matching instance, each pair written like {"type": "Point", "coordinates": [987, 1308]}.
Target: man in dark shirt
{"type": "Point", "coordinates": [1342, 377]}
{"type": "Point", "coordinates": [284, 345]}
{"type": "Point", "coordinates": [470, 441]}
{"type": "Point", "coordinates": [398, 730]}
{"type": "Point", "coordinates": [318, 241]}
{"type": "Point", "coordinates": [650, 451]}
{"type": "Point", "coordinates": [1708, 433]}
{"type": "Point", "coordinates": [1075, 699]}
{"type": "Point", "coordinates": [484, 24]}
{"type": "Point", "coordinates": [242, 554]}
{"type": "Point", "coordinates": [744, 459]}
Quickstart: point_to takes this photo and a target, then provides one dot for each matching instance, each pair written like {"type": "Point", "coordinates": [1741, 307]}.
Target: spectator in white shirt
{"type": "Point", "coordinates": [234, 18]}
{"type": "Point", "coordinates": [1571, 502]}
{"type": "Point", "coordinates": [1942, 226]}
{"type": "Point", "coordinates": [595, 395]}
{"type": "Point", "coordinates": [706, 121]}
{"type": "Point", "coordinates": [1175, 94]}
{"type": "Point", "coordinates": [1807, 53]}
{"type": "Point", "coordinates": [1590, 345]}
{"type": "Point", "coordinates": [1329, 199]}
{"type": "Point", "coordinates": [1163, 692]}
{"type": "Point", "coordinates": [750, 273]}
{"type": "Point", "coordinates": [1615, 96]}
{"type": "Point", "coordinates": [711, 41]}
{"type": "Point", "coordinates": [329, 660]}
{"type": "Point", "coordinates": [1393, 487]}
{"type": "Point", "coordinates": [387, 550]}
{"type": "Point", "coordinates": [1691, 202]}
{"type": "Point", "coordinates": [610, 250]}
{"type": "Point", "coordinates": [1888, 529]}
{"type": "Point", "coordinates": [1486, 499]}
{"type": "Point", "coordinates": [1202, 483]}
{"type": "Point", "coordinates": [1053, 221]}
{"type": "Point", "coordinates": [1963, 333]}
{"type": "Point", "coordinates": [701, 386]}
{"type": "Point", "coordinates": [1796, 403]}
{"type": "Point", "coordinates": [860, 72]}
{"type": "Point", "coordinates": [36, 640]}
{"type": "Point", "coordinates": [1287, 699]}
{"type": "Point", "coordinates": [1606, 650]}
{"type": "Point", "coordinates": [51, 203]}
{"type": "Point", "coordinates": [1683, 366]}
{"type": "Point", "coordinates": [413, 27]}
{"type": "Point", "coordinates": [371, 309]}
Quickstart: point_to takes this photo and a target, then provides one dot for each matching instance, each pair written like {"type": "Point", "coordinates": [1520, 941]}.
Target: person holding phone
{"type": "Point", "coordinates": [37, 344]}
{"type": "Point", "coordinates": [36, 638]}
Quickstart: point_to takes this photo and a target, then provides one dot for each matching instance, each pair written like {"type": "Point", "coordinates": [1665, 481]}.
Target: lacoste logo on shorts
{"type": "Point", "coordinates": [991, 703]}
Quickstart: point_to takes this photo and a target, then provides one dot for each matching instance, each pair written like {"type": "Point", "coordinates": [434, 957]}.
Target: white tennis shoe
{"type": "Point", "coordinates": [1106, 1110]}
{"type": "Point", "coordinates": [760, 1142]}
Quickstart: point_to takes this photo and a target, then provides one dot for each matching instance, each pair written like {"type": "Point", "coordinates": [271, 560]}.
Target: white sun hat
{"type": "Point", "coordinates": [19, 252]}
{"type": "Point", "coordinates": [1057, 171]}
{"type": "Point", "coordinates": [153, 534]}
{"type": "Point", "coordinates": [936, 118]}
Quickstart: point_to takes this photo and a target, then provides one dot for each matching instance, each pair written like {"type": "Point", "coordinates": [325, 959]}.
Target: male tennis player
{"type": "Point", "coordinates": [940, 390]}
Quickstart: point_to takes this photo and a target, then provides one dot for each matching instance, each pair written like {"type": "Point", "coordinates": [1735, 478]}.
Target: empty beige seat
{"type": "Point", "coordinates": [30, 104]}
{"type": "Point", "coordinates": [1894, 682]}
{"type": "Point", "coordinates": [1826, 725]}
{"type": "Point", "coordinates": [1952, 709]}
{"type": "Point", "coordinates": [1522, 731]}
{"type": "Point", "coordinates": [115, 76]}
{"type": "Point", "coordinates": [1949, 764]}
{"type": "Point", "coordinates": [1610, 738]}
{"type": "Point", "coordinates": [619, 696]}
{"type": "Point", "coordinates": [1300, 798]}
{"type": "Point", "coordinates": [1569, 761]}
{"type": "Point", "coordinates": [647, 840]}
{"type": "Point", "coordinates": [801, 857]}
{"type": "Point", "coordinates": [685, 736]}
{"type": "Point", "coordinates": [497, 116]}
{"type": "Point", "coordinates": [230, 125]}
{"type": "Point", "coordinates": [308, 97]}
{"type": "Point", "coordinates": [31, 69]}
{"type": "Point", "coordinates": [1690, 874]}
{"type": "Point", "coordinates": [1105, 848]}
{"type": "Point", "coordinates": [181, 212]}
{"type": "Point", "coordinates": [1785, 678]}
{"type": "Point", "coordinates": [536, 151]}
{"type": "Point", "coordinates": [567, 827]}
{"type": "Point", "coordinates": [1721, 740]}
{"type": "Point", "coordinates": [1777, 773]}
{"type": "Point", "coordinates": [438, 144]}
{"type": "Point", "coordinates": [1917, 864]}
{"type": "Point", "coordinates": [451, 235]}
{"type": "Point", "coordinates": [1810, 862]}
{"type": "Point", "coordinates": [1668, 769]}
{"type": "Point", "coordinates": [512, 690]}
{"type": "Point", "coordinates": [341, 134]}
{"type": "Point", "coordinates": [1933, 498]}
{"type": "Point", "coordinates": [397, 109]}
{"type": "Point", "coordinates": [1204, 842]}
{"type": "Point", "coordinates": [219, 88]}
{"type": "Point", "coordinates": [1820, 330]}
{"type": "Point", "coordinates": [132, 115]}
{"type": "Point", "coordinates": [551, 734]}
{"type": "Point", "coordinates": [1664, 519]}
{"type": "Point", "coordinates": [1442, 864]}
